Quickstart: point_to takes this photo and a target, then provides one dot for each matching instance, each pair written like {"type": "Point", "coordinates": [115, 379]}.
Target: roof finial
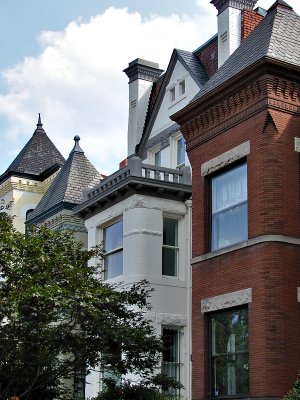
{"type": "Point", "coordinates": [77, 148]}
{"type": "Point", "coordinates": [39, 121]}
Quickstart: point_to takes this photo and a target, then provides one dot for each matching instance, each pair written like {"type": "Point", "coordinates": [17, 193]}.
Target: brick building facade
{"type": "Point", "coordinates": [242, 136]}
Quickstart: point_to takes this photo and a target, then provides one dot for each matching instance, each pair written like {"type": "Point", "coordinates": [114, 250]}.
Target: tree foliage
{"type": "Point", "coordinates": [294, 393]}
{"type": "Point", "coordinates": [55, 315]}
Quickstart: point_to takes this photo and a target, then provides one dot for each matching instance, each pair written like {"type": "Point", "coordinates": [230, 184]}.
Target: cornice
{"type": "Point", "coordinates": [267, 92]}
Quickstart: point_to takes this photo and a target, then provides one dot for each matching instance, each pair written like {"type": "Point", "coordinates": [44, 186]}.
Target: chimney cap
{"type": "Point", "coordinates": [142, 69]}
{"type": "Point", "coordinates": [221, 5]}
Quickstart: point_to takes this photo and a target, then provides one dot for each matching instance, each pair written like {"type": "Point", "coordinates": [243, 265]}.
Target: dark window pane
{"type": "Point", "coordinates": [169, 261]}
{"type": "Point", "coordinates": [229, 353]}
{"type": "Point", "coordinates": [170, 232]}
{"type": "Point", "coordinates": [230, 375]}
{"type": "Point", "coordinates": [171, 361]}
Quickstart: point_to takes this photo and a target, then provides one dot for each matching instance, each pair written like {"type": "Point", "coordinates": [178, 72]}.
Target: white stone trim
{"type": "Point", "coordinates": [298, 294]}
{"type": "Point", "coordinates": [142, 232]}
{"type": "Point", "coordinates": [227, 300]}
{"type": "Point", "coordinates": [171, 319]}
{"type": "Point", "coordinates": [297, 144]}
{"type": "Point", "coordinates": [250, 242]}
{"type": "Point", "coordinates": [226, 158]}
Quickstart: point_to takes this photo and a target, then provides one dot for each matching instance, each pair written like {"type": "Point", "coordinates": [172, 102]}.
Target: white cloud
{"type": "Point", "coordinates": [77, 81]}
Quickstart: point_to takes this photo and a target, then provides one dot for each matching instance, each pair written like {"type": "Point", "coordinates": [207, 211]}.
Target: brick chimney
{"type": "Point", "coordinates": [229, 25]}
{"type": "Point", "coordinates": [141, 74]}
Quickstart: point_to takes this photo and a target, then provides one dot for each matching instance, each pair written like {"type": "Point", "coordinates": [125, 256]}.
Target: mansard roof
{"type": "Point", "coordinates": [38, 158]}
{"type": "Point", "coordinates": [275, 39]}
{"type": "Point", "coordinates": [66, 191]}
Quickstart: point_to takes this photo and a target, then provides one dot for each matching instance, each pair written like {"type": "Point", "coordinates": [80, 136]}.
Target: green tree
{"type": "Point", "coordinates": [55, 316]}
{"type": "Point", "coordinates": [294, 393]}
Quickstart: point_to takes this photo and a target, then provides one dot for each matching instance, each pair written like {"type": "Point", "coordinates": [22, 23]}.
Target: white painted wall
{"type": "Point", "coordinates": [139, 93]}
{"type": "Point", "coordinates": [169, 107]}
{"type": "Point", "coordinates": [229, 33]}
{"type": "Point", "coordinates": [142, 255]}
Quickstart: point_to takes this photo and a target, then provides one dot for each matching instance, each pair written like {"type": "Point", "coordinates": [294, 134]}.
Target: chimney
{"type": "Point", "coordinates": [229, 25]}
{"type": "Point", "coordinates": [141, 74]}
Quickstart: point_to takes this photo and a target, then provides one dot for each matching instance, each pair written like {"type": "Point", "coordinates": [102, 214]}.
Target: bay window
{"type": "Point", "coordinates": [113, 246]}
{"type": "Point", "coordinates": [229, 207]}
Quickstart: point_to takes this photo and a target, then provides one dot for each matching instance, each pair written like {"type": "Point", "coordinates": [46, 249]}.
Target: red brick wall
{"type": "Point", "coordinates": [209, 58]}
{"type": "Point", "coordinates": [271, 269]}
{"type": "Point", "coordinates": [250, 19]}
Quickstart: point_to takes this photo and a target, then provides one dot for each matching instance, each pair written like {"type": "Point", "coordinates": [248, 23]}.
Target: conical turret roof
{"type": "Point", "coordinates": [66, 191]}
{"type": "Point", "coordinates": [38, 156]}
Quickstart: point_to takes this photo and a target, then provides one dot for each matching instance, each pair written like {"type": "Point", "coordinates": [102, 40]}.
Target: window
{"type": "Point", "coordinates": [170, 247]}
{"type": "Point", "coordinates": [180, 152]}
{"type": "Point", "coordinates": [181, 88]}
{"type": "Point", "coordinates": [79, 384]}
{"type": "Point", "coordinates": [113, 245]}
{"type": "Point", "coordinates": [172, 94]}
{"type": "Point", "coordinates": [229, 207]}
{"type": "Point", "coordinates": [157, 158]}
{"type": "Point", "coordinates": [229, 356]}
{"type": "Point", "coordinates": [171, 356]}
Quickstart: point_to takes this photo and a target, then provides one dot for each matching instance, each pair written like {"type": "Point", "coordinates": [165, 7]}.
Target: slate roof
{"type": "Point", "coordinates": [66, 191]}
{"type": "Point", "coordinates": [277, 37]}
{"type": "Point", "coordinates": [195, 66]}
{"type": "Point", "coordinates": [36, 157]}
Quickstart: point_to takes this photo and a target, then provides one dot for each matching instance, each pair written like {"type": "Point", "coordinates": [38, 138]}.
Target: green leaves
{"type": "Point", "coordinates": [52, 306]}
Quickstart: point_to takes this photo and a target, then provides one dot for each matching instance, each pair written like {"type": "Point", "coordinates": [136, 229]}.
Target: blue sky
{"type": "Point", "coordinates": [64, 59]}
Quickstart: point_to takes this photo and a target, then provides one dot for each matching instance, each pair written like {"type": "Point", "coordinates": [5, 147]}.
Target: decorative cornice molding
{"type": "Point", "coordinates": [226, 300]}
{"type": "Point", "coordinates": [267, 92]}
{"type": "Point", "coordinates": [221, 5]}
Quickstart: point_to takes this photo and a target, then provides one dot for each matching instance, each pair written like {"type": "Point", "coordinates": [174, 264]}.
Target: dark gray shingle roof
{"type": "Point", "coordinates": [277, 37]}
{"type": "Point", "coordinates": [76, 174]}
{"type": "Point", "coordinates": [195, 66]}
{"type": "Point", "coordinates": [37, 156]}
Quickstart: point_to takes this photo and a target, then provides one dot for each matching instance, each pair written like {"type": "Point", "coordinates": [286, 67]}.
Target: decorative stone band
{"type": "Point", "coordinates": [166, 319]}
{"type": "Point", "coordinates": [142, 232]}
{"type": "Point", "coordinates": [297, 145]}
{"type": "Point", "coordinates": [227, 300]}
{"type": "Point", "coordinates": [226, 158]}
{"type": "Point", "coordinates": [250, 242]}
{"type": "Point", "coordinates": [298, 294]}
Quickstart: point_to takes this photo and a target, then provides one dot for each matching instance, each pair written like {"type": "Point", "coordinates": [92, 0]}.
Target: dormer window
{"type": "Point", "coordinates": [181, 87]}
{"type": "Point", "coordinates": [172, 93]}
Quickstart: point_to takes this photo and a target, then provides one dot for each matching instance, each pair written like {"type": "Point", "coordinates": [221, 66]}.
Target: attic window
{"type": "Point", "coordinates": [172, 93]}
{"type": "Point", "coordinates": [181, 87]}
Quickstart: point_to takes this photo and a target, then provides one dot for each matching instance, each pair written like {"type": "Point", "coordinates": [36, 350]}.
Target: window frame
{"type": "Point", "coordinates": [177, 363]}
{"type": "Point", "coordinates": [209, 357]}
{"type": "Point", "coordinates": [175, 248]}
{"type": "Point", "coordinates": [172, 93]}
{"type": "Point", "coordinates": [182, 87]}
{"type": "Point", "coordinates": [113, 251]}
{"type": "Point", "coordinates": [230, 167]}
